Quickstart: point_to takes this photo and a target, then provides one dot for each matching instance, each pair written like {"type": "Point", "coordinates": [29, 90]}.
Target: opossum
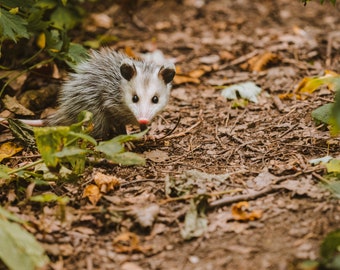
{"type": "Point", "coordinates": [118, 91]}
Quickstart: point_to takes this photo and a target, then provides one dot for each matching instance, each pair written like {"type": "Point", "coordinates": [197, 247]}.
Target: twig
{"type": "Point", "coordinates": [171, 131]}
{"type": "Point", "coordinates": [245, 197]}
{"type": "Point", "coordinates": [239, 60]}
{"type": "Point", "coordinates": [288, 130]}
{"type": "Point", "coordinates": [191, 196]}
{"type": "Point", "coordinates": [260, 193]}
{"type": "Point", "coordinates": [243, 144]}
{"type": "Point", "coordinates": [140, 181]}
{"type": "Point", "coordinates": [183, 133]}
{"type": "Point", "coordinates": [278, 103]}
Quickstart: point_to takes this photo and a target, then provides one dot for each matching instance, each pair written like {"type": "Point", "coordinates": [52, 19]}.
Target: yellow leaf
{"type": "Point", "coordinates": [240, 212]}
{"type": "Point", "coordinates": [41, 40]}
{"type": "Point", "coordinates": [92, 192]}
{"type": "Point", "coordinates": [310, 84]}
{"type": "Point", "coordinates": [14, 10]}
{"type": "Point", "coordinates": [8, 149]}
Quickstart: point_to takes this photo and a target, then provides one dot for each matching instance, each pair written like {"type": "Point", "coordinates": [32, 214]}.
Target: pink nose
{"type": "Point", "coordinates": [143, 121]}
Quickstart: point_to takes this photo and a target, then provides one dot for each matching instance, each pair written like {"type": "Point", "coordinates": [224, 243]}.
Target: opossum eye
{"type": "Point", "coordinates": [135, 99]}
{"type": "Point", "coordinates": [154, 99]}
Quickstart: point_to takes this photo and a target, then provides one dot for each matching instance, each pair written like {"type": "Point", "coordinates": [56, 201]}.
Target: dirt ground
{"type": "Point", "coordinates": [264, 147]}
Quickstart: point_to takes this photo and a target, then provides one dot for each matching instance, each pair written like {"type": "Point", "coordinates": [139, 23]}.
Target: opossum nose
{"type": "Point", "coordinates": [143, 121]}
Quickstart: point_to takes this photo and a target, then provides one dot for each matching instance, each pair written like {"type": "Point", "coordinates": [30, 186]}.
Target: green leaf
{"type": "Point", "coordinates": [333, 166]}
{"type": "Point", "coordinates": [323, 114]}
{"type": "Point", "coordinates": [49, 197]}
{"type": "Point", "coordinates": [4, 170]}
{"type": "Point", "coordinates": [22, 132]}
{"type": "Point", "coordinates": [12, 26]}
{"type": "Point", "coordinates": [114, 149]}
{"type": "Point", "coordinates": [75, 55]}
{"type": "Point", "coordinates": [335, 119]}
{"type": "Point", "coordinates": [64, 18]}
{"type": "Point", "coordinates": [195, 223]}
{"type": "Point", "coordinates": [334, 187]}
{"type": "Point", "coordinates": [51, 140]}
{"type": "Point", "coordinates": [330, 249]}
{"type": "Point", "coordinates": [19, 249]}
{"type": "Point", "coordinates": [4, 214]}
{"type": "Point", "coordinates": [60, 144]}
{"type": "Point", "coordinates": [127, 159]}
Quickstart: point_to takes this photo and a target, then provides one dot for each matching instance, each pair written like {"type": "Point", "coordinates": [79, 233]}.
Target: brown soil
{"type": "Point", "coordinates": [263, 146]}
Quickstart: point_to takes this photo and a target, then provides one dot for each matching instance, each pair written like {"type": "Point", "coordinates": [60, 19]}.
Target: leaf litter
{"type": "Point", "coordinates": [260, 150]}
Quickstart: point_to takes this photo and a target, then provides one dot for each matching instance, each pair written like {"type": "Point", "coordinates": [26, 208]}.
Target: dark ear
{"type": "Point", "coordinates": [127, 69]}
{"type": "Point", "coordinates": [167, 73]}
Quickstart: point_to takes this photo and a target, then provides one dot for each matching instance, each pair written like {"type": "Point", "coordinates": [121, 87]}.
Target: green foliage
{"type": "Point", "coordinates": [330, 250]}
{"type": "Point", "coordinates": [322, 115]}
{"type": "Point", "coordinates": [69, 144]}
{"type": "Point", "coordinates": [48, 21]}
{"type": "Point", "coordinates": [18, 248]}
{"type": "Point", "coordinates": [328, 113]}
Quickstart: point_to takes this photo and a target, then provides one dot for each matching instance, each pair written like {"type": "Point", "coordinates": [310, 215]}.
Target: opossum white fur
{"type": "Point", "coordinates": [117, 90]}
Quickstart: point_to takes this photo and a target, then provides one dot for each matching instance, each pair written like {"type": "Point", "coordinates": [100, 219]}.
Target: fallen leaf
{"type": "Point", "coordinates": [130, 266]}
{"type": "Point", "coordinates": [145, 215]}
{"type": "Point", "coordinates": [195, 222]}
{"type": "Point", "coordinates": [101, 20]}
{"type": "Point", "coordinates": [259, 62]}
{"type": "Point", "coordinates": [156, 155]}
{"type": "Point", "coordinates": [15, 78]}
{"type": "Point", "coordinates": [210, 59]}
{"type": "Point", "coordinates": [246, 90]}
{"type": "Point", "coordinates": [92, 192]}
{"type": "Point", "coordinates": [239, 212]}
{"type": "Point", "coordinates": [180, 79]}
{"type": "Point", "coordinates": [12, 104]}
{"type": "Point", "coordinates": [105, 182]}
{"type": "Point", "coordinates": [128, 242]}
{"type": "Point", "coordinates": [8, 149]}
{"type": "Point", "coordinates": [317, 161]}
{"type": "Point", "coordinates": [310, 84]}
{"type": "Point", "coordinates": [333, 166]}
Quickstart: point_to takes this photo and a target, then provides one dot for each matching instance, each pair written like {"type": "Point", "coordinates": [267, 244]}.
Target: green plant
{"type": "Point", "coordinates": [46, 21]}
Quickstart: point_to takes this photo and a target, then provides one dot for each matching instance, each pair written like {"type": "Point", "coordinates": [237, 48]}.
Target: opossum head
{"type": "Point", "coordinates": [146, 88]}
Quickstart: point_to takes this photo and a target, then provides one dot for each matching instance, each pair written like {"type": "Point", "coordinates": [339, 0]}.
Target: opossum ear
{"type": "Point", "coordinates": [127, 69]}
{"type": "Point", "coordinates": [167, 73]}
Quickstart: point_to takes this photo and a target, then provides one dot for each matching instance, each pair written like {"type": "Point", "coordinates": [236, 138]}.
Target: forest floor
{"type": "Point", "coordinates": [255, 152]}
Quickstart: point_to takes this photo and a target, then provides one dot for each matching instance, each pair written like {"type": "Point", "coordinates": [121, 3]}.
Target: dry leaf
{"type": "Point", "coordinates": [145, 215]}
{"type": "Point", "coordinates": [105, 182]}
{"type": "Point", "coordinates": [15, 77]}
{"type": "Point", "coordinates": [197, 73]}
{"type": "Point", "coordinates": [290, 96]}
{"type": "Point", "coordinates": [92, 193]}
{"type": "Point", "coordinates": [179, 79]}
{"type": "Point", "coordinates": [310, 84]}
{"type": "Point", "coordinates": [239, 212]}
{"type": "Point", "coordinates": [12, 104]}
{"type": "Point", "coordinates": [259, 62]}
{"type": "Point", "coordinates": [156, 155]}
{"type": "Point", "coordinates": [8, 149]}
{"type": "Point", "coordinates": [127, 242]}
{"type": "Point", "coordinates": [101, 20]}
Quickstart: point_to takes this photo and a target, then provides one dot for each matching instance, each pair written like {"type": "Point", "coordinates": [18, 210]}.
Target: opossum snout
{"type": "Point", "coordinates": [143, 121]}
